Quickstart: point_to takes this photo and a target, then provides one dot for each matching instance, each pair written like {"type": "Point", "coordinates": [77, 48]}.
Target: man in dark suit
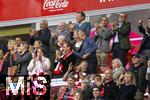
{"type": "Point", "coordinates": [81, 23]}
{"type": "Point", "coordinates": [23, 57]}
{"type": "Point", "coordinates": [145, 44]}
{"type": "Point", "coordinates": [121, 43]}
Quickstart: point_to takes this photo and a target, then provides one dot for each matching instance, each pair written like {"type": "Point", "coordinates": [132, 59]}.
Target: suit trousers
{"type": "Point", "coordinates": [118, 52]}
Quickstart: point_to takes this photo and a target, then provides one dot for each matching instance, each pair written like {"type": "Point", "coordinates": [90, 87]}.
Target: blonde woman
{"type": "Point", "coordinates": [11, 56]}
{"type": "Point", "coordinates": [128, 89]}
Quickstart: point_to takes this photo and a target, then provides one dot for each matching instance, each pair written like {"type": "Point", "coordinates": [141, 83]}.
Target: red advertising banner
{"type": "Point", "coordinates": [20, 9]}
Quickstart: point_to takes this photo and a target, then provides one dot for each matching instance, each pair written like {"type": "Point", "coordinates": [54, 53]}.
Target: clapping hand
{"type": "Point", "coordinates": [85, 56]}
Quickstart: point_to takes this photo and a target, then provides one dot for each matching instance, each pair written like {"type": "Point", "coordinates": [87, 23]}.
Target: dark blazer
{"type": "Point", "coordinates": [140, 76]}
{"type": "Point", "coordinates": [146, 37]}
{"type": "Point", "coordinates": [110, 91]}
{"type": "Point", "coordinates": [126, 92]}
{"type": "Point", "coordinates": [86, 26]}
{"type": "Point", "coordinates": [123, 35]}
{"type": "Point", "coordinates": [23, 61]}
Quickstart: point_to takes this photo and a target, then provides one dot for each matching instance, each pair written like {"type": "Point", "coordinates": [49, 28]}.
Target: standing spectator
{"type": "Point", "coordinates": [128, 89]}
{"type": "Point", "coordinates": [139, 70]}
{"type": "Point", "coordinates": [110, 88]}
{"type": "Point", "coordinates": [67, 93]}
{"type": "Point", "coordinates": [118, 68]}
{"type": "Point", "coordinates": [62, 30]}
{"type": "Point", "coordinates": [63, 60]}
{"type": "Point", "coordinates": [148, 74]}
{"type": "Point", "coordinates": [11, 56]}
{"type": "Point", "coordinates": [121, 43]}
{"type": "Point", "coordinates": [81, 24]}
{"type": "Point", "coordinates": [32, 35]}
{"type": "Point", "coordinates": [98, 82]}
{"type": "Point", "coordinates": [18, 41]}
{"type": "Point", "coordinates": [39, 64]}
{"type": "Point", "coordinates": [44, 35]}
{"type": "Point", "coordinates": [87, 52]}
{"type": "Point", "coordinates": [3, 66]}
{"type": "Point", "coordinates": [145, 47]}
{"type": "Point", "coordinates": [23, 57]}
{"type": "Point", "coordinates": [103, 36]}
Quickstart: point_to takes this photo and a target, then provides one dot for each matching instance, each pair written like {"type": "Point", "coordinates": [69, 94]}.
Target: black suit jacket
{"type": "Point", "coordinates": [123, 35]}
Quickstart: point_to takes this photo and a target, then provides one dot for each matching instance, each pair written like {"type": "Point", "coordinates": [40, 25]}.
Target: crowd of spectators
{"type": "Point", "coordinates": [80, 55]}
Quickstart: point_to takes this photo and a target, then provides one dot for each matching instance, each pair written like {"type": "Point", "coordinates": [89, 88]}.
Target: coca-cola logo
{"type": "Point", "coordinates": [55, 4]}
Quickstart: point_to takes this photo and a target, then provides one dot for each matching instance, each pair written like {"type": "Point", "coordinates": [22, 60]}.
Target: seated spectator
{"type": "Point", "coordinates": [128, 89]}
{"type": "Point", "coordinates": [96, 94]}
{"type": "Point", "coordinates": [87, 52]}
{"type": "Point", "coordinates": [23, 57]}
{"type": "Point", "coordinates": [63, 60]}
{"type": "Point", "coordinates": [118, 68]}
{"type": "Point", "coordinates": [139, 70]}
{"type": "Point", "coordinates": [82, 68]}
{"type": "Point", "coordinates": [39, 64]}
{"type": "Point", "coordinates": [77, 96]}
{"type": "Point", "coordinates": [110, 87]}
{"type": "Point", "coordinates": [85, 89]}
{"type": "Point", "coordinates": [69, 90]}
{"type": "Point", "coordinates": [98, 82]}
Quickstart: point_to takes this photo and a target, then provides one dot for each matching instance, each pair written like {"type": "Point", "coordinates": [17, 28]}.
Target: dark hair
{"type": "Point", "coordinates": [82, 14]}
{"type": "Point", "coordinates": [69, 45]}
{"type": "Point", "coordinates": [41, 48]}
{"type": "Point", "coordinates": [100, 77]}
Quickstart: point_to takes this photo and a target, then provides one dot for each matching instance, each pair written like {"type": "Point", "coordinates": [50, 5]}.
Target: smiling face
{"type": "Point", "coordinates": [83, 66]}
{"type": "Point", "coordinates": [70, 82]}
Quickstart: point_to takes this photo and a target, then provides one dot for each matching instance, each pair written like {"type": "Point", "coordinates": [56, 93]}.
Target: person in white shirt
{"type": "Point", "coordinates": [39, 64]}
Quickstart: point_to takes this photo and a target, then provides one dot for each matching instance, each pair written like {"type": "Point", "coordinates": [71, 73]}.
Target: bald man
{"type": "Point", "coordinates": [62, 30]}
